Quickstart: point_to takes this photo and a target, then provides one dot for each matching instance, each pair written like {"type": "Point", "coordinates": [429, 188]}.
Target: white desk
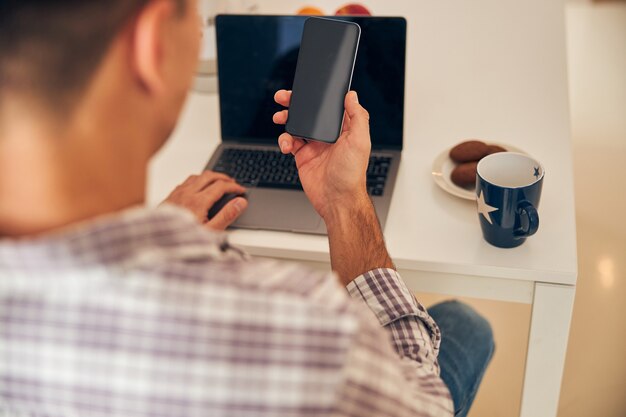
{"type": "Point", "coordinates": [495, 71]}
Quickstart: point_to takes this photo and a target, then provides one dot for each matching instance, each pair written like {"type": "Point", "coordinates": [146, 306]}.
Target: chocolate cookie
{"type": "Point", "coordinates": [495, 149]}
{"type": "Point", "coordinates": [471, 150]}
{"type": "Point", "coordinates": [464, 175]}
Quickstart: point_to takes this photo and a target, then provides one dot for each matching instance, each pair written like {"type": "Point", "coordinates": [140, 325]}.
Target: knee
{"type": "Point", "coordinates": [477, 328]}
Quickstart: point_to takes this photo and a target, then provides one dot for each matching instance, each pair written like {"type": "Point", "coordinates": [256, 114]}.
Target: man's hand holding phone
{"type": "Point", "coordinates": [333, 175]}
{"type": "Point", "coordinates": [334, 179]}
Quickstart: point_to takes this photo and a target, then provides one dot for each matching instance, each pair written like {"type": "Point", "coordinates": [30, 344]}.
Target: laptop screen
{"type": "Point", "coordinates": [257, 56]}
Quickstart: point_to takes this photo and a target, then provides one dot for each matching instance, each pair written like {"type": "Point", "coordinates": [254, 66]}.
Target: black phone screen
{"type": "Point", "coordinates": [322, 79]}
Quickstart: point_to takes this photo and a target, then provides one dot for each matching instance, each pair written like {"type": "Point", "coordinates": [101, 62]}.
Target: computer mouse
{"type": "Point", "coordinates": [219, 204]}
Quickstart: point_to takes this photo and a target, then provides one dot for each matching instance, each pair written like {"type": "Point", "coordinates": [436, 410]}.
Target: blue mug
{"type": "Point", "coordinates": [508, 188]}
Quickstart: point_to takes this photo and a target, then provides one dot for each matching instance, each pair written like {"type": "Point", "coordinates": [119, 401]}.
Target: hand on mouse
{"type": "Point", "coordinates": [199, 193]}
{"type": "Point", "coordinates": [332, 175]}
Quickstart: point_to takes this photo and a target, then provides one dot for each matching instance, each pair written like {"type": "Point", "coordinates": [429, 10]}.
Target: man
{"type": "Point", "coordinates": [108, 308]}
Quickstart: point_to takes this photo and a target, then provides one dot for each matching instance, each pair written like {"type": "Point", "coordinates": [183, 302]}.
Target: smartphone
{"type": "Point", "coordinates": [323, 75]}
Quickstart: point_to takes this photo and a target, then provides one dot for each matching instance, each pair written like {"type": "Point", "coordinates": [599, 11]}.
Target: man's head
{"type": "Point", "coordinates": [50, 50]}
{"type": "Point", "coordinates": [91, 89]}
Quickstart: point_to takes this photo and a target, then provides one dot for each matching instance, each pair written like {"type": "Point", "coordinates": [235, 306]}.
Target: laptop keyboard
{"type": "Point", "coordinates": [273, 169]}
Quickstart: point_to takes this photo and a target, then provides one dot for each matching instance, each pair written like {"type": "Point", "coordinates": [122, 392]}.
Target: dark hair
{"type": "Point", "coordinates": [51, 48]}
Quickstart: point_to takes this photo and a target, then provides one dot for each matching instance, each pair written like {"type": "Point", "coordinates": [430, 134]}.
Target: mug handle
{"type": "Point", "coordinates": [525, 208]}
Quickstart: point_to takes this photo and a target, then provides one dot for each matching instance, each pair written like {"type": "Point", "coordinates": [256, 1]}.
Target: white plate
{"type": "Point", "coordinates": [443, 167]}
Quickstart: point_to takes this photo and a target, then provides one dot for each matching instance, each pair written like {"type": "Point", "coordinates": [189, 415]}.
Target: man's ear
{"type": "Point", "coordinates": [148, 43]}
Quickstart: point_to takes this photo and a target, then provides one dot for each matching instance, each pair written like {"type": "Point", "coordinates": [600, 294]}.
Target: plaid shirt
{"type": "Point", "coordinates": [145, 313]}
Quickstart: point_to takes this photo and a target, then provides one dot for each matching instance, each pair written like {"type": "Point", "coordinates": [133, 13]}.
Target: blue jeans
{"type": "Point", "coordinates": [466, 349]}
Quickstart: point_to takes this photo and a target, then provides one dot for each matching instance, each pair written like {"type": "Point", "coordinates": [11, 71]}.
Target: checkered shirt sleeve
{"type": "Point", "coordinates": [400, 378]}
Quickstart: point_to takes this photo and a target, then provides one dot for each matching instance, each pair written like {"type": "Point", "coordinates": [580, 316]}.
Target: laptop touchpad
{"type": "Point", "coordinates": [279, 209]}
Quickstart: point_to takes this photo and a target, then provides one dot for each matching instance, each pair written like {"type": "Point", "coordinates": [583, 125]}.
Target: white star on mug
{"type": "Point", "coordinates": [484, 208]}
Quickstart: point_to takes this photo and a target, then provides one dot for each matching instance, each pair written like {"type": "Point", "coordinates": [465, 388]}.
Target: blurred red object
{"type": "Point", "coordinates": [353, 9]}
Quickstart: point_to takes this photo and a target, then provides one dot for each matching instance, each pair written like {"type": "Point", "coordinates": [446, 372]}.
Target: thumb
{"type": "Point", "coordinates": [359, 117]}
{"type": "Point", "coordinates": [228, 214]}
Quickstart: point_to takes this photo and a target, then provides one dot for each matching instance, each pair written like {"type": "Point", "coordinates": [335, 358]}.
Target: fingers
{"type": "Point", "coordinates": [289, 144]}
{"type": "Point", "coordinates": [346, 123]}
{"type": "Point", "coordinates": [280, 118]}
{"type": "Point", "coordinates": [200, 192]}
{"type": "Point", "coordinates": [285, 143]}
{"type": "Point", "coordinates": [228, 214]}
{"type": "Point", "coordinates": [211, 194]}
{"type": "Point", "coordinates": [200, 182]}
{"type": "Point", "coordinates": [298, 144]}
{"type": "Point", "coordinates": [359, 117]}
{"type": "Point", "coordinates": [283, 97]}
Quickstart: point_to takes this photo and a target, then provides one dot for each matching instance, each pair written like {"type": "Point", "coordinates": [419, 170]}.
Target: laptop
{"type": "Point", "coordinates": [256, 56]}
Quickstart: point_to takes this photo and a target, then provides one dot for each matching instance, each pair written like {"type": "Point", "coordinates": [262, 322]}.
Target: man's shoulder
{"type": "Point", "coordinates": [163, 250]}
{"type": "Point", "coordinates": [162, 262]}
{"type": "Point", "coordinates": [280, 297]}
{"type": "Point", "coordinates": [270, 281]}
{"type": "Point", "coordinates": [194, 260]}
